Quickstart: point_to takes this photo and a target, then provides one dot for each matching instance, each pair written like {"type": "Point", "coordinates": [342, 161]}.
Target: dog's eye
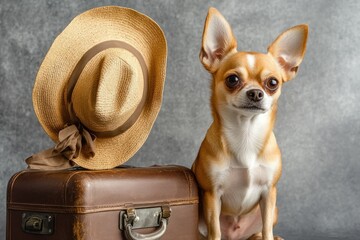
{"type": "Point", "coordinates": [232, 81]}
{"type": "Point", "coordinates": [272, 84]}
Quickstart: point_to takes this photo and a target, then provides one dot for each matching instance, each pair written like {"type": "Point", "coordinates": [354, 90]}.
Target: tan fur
{"type": "Point", "coordinates": [216, 158]}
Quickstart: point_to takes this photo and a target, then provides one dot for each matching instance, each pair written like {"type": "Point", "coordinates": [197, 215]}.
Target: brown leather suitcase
{"type": "Point", "coordinates": [122, 203]}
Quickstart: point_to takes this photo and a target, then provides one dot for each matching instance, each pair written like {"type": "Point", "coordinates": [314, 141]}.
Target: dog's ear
{"type": "Point", "coordinates": [289, 49]}
{"type": "Point", "coordinates": [217, 41]}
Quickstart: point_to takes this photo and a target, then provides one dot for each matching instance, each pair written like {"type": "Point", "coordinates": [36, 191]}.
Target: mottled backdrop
{"type": "Point", "coordinates": [318, 126]}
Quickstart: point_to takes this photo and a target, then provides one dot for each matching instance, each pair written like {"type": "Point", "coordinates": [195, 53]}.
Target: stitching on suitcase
{"type": "Point", "coordinates": [67, 182]}
{"type": "Point", "coordinates": [188, 177]}
{"type": "Point", "coordinates": [192, 182]}
{"type": "Point", "coordinates": [9, 231]}
{"type": "Point", "coordinates": [189, 180]}
{"type": "Point", "coordinates": [12, 184]}
{"type": "Point", "coordinates": [99, 208]}
{"type": "Point", "coordinates": [184, 170]}
{"type": "Point", "coordinates": [66, 208]}
{"type": "Point", "coordinates": [9, 201]}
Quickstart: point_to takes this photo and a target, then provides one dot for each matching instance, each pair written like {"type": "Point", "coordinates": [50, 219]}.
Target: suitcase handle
{"type": "Point", "coordinates": [132, 218]}
{"type": "Point", "coordinates": [131, 235]}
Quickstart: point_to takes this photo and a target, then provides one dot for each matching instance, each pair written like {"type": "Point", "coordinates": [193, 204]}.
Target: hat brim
{"type": "Point", "coordinates": [84, 31]}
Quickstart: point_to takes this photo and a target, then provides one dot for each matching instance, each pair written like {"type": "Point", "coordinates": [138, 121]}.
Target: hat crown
{"type": "Point", "coordinates": [108, 90]}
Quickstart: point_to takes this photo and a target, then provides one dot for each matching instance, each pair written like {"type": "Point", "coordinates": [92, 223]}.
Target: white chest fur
{"type": "Point", "coordinates": [243, 188]}
{"type": "Point", "coordinates": [245, 138]}
{"type": "Point", "coordinates": [247, 176]}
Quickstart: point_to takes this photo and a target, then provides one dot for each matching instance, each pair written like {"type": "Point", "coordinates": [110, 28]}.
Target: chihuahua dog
{"type": "Point", "coordinates": [239, 161]}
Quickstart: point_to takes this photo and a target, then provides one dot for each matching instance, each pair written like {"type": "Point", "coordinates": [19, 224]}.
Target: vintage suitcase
{"type": "Point", "coordinates": [159, 202]}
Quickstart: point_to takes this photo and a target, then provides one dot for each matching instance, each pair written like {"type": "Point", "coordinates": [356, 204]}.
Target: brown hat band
{"type": "Point", "coordinates": [75, 137]}
{"type": "Point", "coordinates": [79, 68]}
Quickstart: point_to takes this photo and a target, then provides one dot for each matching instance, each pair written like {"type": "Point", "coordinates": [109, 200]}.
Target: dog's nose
{"type": "Point", "coordinates": [255, 95]}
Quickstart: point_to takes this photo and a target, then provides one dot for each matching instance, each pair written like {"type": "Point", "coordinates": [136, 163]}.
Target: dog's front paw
{"type": "Point", "coordinates": [278, 238]}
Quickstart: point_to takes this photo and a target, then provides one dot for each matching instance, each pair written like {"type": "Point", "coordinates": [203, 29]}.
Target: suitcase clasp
{"type": "Point", "coordinates": [34, 224]}
{"type": "Point", "coordinates": [133, 218]}
{"type": "Point", "coordinates": [37, 223]}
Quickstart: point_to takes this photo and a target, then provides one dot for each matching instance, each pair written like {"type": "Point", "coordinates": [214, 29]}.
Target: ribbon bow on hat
{"type": "Point", "coordinates": [72, 141]}
{"type": "Point", "coordinates": [102, 77]}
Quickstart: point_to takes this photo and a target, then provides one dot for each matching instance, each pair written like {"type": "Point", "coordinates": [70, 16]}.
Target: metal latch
{"type": "Point", "coordinates": [132, 218]}
{"type": "Point", "coordinates": [37, 223]}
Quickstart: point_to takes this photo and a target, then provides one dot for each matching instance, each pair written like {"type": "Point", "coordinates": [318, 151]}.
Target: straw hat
{"type": "Point", "coordinates": [99, 89]}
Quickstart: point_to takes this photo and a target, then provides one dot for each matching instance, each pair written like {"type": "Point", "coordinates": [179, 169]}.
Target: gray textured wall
{"type": "Point", "coordinates": [318, 126]}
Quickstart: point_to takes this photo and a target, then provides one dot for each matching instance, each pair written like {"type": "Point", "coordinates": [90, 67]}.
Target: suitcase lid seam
{"type": "Point", "coordinates": [94, 209]}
